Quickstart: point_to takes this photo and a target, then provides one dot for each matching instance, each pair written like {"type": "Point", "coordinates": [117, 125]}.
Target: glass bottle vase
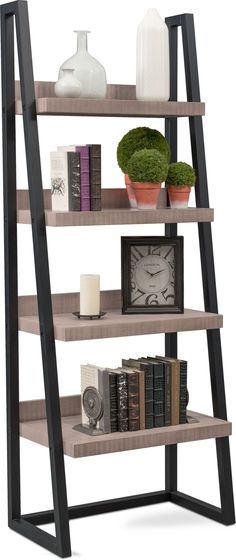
{"type": "Point", "coordinates": [87, 70]}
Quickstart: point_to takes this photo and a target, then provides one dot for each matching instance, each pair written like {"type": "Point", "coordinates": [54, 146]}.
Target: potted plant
{"type": "Point", "coordinates": [181, 177]}
{"type": "Point", "coordinates": [147, 169]}
{"type": "Point", "coordinates": [134, 140]}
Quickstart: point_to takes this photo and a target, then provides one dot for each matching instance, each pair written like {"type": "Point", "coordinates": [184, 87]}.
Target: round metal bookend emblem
{"type": "Point", "coordinates": [93, 403]}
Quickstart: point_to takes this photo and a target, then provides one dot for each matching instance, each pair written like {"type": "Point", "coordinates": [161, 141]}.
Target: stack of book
{"type": "Point", "coordinates": [76, 178]}
{"type": "Point", "coordinates": [141, 394]}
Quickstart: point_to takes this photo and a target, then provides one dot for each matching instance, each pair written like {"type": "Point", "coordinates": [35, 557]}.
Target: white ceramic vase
{"type": "Point", "coordinates": [68, 85]}
{"type": "Point", "coordinates": [87, 70]}
{"type": "Point", "coordinates": [152, 59]}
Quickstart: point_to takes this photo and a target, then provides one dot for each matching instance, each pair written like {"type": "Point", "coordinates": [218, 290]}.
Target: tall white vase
{"type": "Point", "coordinates": [87, 69]}
{"type": "Point", "coordinates": [152, 59]}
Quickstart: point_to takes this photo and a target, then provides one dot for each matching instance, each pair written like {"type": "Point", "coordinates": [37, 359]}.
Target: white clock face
{"type": "Point", "coordinates": [152, 275]}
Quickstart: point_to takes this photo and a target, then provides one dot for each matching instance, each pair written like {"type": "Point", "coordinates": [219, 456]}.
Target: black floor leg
{"type": "Point", "coordinates": [62, 542]}
{"type": "Point", "coordinates": [10, 246]}
{"type": "Point", "coordinates": [171, 135]}
{"type": "Point", "coordinates": [208, 270]}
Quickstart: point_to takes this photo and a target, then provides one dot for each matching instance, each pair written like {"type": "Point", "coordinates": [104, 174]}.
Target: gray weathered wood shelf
{"type": "Point", "coordinates": [120, 102]}
{"type": "Point", "coordinates": [67, 327]}
{"type": "Point", "coordinates": [116, 210]}
{"type": "Point", "coordinates": [33, 426]}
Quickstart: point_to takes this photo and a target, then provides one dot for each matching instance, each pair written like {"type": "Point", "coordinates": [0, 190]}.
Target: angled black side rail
{"type": "Point", "coordinates": [186, 22]}
{"type": "Point", "coordinates": [16, 13]}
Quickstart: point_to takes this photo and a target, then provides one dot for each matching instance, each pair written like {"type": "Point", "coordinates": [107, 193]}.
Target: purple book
{"type": "Point", "coordinates": [84, 177]}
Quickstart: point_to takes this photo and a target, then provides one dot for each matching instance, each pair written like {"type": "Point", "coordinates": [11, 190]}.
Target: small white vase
{"type": "Point", "coordinates": [87, 70]}
{"type": "Point", "coordinates": [152, 59]}
{"type": "Point", "coordinates": [67, 85]}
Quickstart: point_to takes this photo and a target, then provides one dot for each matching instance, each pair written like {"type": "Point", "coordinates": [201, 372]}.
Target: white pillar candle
{"type": "Point", "coordinates": [89, 294]}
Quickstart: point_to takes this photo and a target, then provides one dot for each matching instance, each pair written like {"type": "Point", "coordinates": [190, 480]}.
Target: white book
{"type": "Point", "coordinates": [65, 181]}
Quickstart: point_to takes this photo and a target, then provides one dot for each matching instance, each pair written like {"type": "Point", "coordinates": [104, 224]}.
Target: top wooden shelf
{"type": "Point", "coordinates": [120, 102]}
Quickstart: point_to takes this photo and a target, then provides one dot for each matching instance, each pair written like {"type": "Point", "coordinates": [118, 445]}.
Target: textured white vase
{"type": "Point", "coordinates": [87, 70]}
{"type": "Point", "coordinates": [67, 85]}
{"type": "Point", "coordinates": [152, 59]}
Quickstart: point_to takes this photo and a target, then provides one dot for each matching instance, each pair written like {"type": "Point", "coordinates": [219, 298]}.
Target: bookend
{"type": "Point", "coordinates": [26, 524]}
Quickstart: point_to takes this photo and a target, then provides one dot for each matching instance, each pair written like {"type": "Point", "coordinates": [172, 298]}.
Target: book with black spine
{"type": "Point", "coordinates": [167, 389]}
{"type": "Point", "coordinates": [183, 392]}
{"type": "Point", "coordinates": [95, 176]}
{"type": "Point", "coordinates": [122, 401]}
{"type": "Point", "coordinates": [112, 381]}
{"type": "Point", "coordinates": [158, 392]}
{"type": "Point", "coordinates": [148, 376]}
{"type": "Point", "coordinates": [175, 388]}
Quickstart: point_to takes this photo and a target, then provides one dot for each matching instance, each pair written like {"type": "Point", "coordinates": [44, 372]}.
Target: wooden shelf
{"type": "Point", "coordinates": [115, 211]}
{"type": "Point", "coordinates": [67, 327]}
{"type": "Point", "coordinates": [120, 102]}
{"type": "Point", "coordinates": [33, 426]}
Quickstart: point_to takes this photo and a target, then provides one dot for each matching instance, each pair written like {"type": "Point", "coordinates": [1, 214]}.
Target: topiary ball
{"type": "Point", "coordinates": [137, 139]}
{"type": "Point", "coordinates": [147, 166]}
{"type": "Point", "coordinates": [181, 173]}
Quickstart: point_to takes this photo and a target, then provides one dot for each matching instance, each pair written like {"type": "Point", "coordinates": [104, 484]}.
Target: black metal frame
{"type": "Point", "coordinates": [177, 243]}
{"type": "Point", "coordinates": [26, 524]}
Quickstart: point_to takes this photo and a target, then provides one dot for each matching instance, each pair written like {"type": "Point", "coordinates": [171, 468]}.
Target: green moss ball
{"type": "Point", "coordinates": [137, 139]}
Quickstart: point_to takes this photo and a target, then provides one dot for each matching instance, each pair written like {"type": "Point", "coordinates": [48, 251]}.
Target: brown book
{"type": "Point", "coordinates": [175, 389]}
{"type": "Point", "coordinates": [141, 375]}
{"type": "Point", "coordinates": [133, 398]}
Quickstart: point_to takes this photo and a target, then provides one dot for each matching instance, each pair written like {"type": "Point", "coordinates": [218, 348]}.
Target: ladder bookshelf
{"type": "Point", "coordinates": [50, 421]}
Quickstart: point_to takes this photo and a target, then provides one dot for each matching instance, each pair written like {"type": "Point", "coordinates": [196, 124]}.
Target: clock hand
{"type": "Point", "coordinates": [158, 272]}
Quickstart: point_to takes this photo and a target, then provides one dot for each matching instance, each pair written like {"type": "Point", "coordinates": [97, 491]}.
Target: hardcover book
{"type": "Point", "coordinates": [65, 181]}
{"type": "Point", "coordinates": [183, 392]}
{"type": "Point", "coordinates": [147, 368]}
{"type": "Point", "coordinates": [158, 392]}
{"type": "Point", "coordinates": [167, 388]}
{"type": "Point", "coordinates": [95, 176]}
{"type": "Point", "coordinates": [84, 174]}
{"type": "Point", "coordinates": [122, 401]}
{"type": "Point", "coordinates": [113, 400]}
{"type": "Point", "coordinates": [175, 388]}
{"type": "Point", "coordinates": [133, 398]}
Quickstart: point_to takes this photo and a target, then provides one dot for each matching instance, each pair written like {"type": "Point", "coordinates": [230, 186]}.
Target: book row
{"type": "Point", "coordinates": [142, 394]}
{"type": "Point", "coordinates": [76, 178]}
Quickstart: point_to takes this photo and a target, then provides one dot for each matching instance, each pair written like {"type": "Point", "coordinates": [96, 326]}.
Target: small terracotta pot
{"type": "Point", "coordinates": [130, 192]}
{"type": "Point", "coordinates": [147, 195]}
{"type": "Point", "coordinates": [178, 196]}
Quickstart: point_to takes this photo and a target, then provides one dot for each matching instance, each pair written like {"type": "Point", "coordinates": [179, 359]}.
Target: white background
{"type": "Point", "coordinates": [163, 530]}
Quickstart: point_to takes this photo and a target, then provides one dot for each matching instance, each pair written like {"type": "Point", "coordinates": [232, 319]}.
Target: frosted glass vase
{"type": "Point", "coordinates": [88, 71]}
{"type": "Point", "coordinates": [68, 85]}
{"type": "Point", "coordinates": [152, 59]}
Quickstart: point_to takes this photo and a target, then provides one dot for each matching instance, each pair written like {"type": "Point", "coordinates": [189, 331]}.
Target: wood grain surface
{"type": "Point", "coordinates": [120, 101]}
{"type": "Point", "coordinates": [68, 328]}
{"type": "Point", "coordinates": [33, 426]}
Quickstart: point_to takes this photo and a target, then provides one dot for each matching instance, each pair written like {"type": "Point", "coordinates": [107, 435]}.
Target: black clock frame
{"type": "Point", "coordinates": [126, 244]}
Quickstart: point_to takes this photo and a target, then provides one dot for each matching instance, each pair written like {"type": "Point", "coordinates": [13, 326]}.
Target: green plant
{"type": "Point", "coordinates": [137, 139]}
{"type": "Point", "coordinates": [181, 173]}
{"type": "Point", "coordinates": [147, 166]}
